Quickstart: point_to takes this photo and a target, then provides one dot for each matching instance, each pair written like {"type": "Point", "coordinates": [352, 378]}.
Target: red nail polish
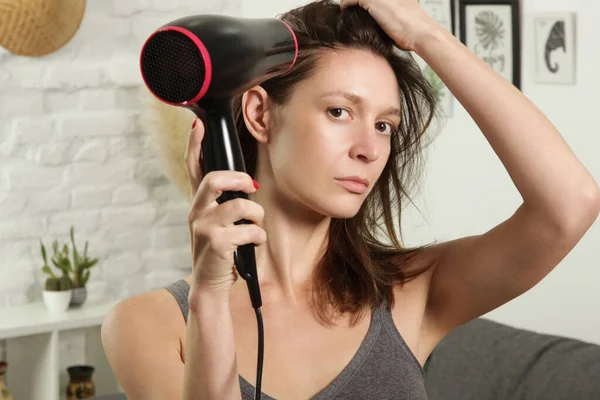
{"type": "Point", "coordinates": [194, 124]}
{"type": "Point", "coordinates": [256, 186]}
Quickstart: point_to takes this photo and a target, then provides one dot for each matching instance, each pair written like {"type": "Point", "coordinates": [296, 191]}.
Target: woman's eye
{"type": "Point", "coordinates": [381, 126]}
{"type": "Point", "coordinates": [336, 112]}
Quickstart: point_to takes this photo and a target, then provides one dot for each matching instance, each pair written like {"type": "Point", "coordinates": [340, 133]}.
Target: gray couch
{"type": "Point", "coordinates": [485, 360]}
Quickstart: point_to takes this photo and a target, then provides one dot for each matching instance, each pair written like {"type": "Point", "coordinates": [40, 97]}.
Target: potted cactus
{"type": "Point", "coordinates": [81, 272]}
{"type": "Point", "coordinates": [57, 289]}
{"type": "Point", "coordinates": [75, 268]}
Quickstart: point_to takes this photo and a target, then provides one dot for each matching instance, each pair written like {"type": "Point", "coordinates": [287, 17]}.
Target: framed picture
{"type": "Point", "coordinates": [491, 29]}
{"type": "Point", "coordinates": [444, 13]}
{"type": "Point", "coordinates": [554, 47]}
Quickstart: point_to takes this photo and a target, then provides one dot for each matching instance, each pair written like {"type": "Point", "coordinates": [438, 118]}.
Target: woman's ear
{"type": "Point", "coordinates": [257, 111]}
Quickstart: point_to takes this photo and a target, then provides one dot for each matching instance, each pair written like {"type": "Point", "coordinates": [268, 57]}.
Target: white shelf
{"type": "Point", "coordinates": [32, 340]}
{"type": "Point", "coordinates": [31, 319]}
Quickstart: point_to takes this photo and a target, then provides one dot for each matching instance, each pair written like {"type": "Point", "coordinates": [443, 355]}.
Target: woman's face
{"type": "Point", "coordinates": [336, 124]}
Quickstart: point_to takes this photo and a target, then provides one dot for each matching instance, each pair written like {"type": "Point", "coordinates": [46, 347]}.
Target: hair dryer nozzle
{"type": "Point", "coordinates": [215, 56]}
{"type": "Point", "coordinates": [176, 66]}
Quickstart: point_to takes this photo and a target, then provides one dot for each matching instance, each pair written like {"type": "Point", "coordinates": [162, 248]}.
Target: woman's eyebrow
{"type": "Point", "coordinates": [356, 99]}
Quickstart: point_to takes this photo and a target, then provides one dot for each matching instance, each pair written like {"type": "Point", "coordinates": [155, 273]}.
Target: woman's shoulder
{"type": "Point", "coordinates": [420, 267]}
{"type": "Point", "coordinates": [141, 337]}
{"type": "Point", "coordinates": [153, 315]}
{"type": "Point", "coordinates": [158, 303]}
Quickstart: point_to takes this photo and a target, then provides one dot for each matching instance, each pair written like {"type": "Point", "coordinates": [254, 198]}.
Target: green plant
{"type": "Point", "coordinates": [78, 266]}
{"type": "Point", "coordinates": [81, 263]}
{"type": "Point", "coordinates": [60, 259]}
{"type": "Point", "coordinates": [437, 85]}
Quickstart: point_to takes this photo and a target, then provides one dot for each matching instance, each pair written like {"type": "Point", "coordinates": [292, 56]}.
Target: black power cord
{"type": "Point", "coordinates": [246, 267]}
{"type": "Point", "coordinates": [261, 343]}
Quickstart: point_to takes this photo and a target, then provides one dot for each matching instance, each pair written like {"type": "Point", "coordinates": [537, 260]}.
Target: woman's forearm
{"type": "Point", "coordinates": [543, 168]}
{"type": "Point", "coordinates": [210, 357]}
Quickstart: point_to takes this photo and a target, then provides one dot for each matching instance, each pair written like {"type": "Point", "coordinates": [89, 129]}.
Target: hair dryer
{"type": "Point", "coordinates": [201, 62]}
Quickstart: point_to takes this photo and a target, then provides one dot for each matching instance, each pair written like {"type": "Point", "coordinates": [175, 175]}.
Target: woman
{"type": "Point", "coordinates": [351, 109]}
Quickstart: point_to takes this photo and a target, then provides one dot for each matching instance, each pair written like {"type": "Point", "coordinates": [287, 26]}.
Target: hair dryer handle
{"type": "Point", "coordinates": [245, 260]}
{"type": "Point", "coordinates": [221, 150]}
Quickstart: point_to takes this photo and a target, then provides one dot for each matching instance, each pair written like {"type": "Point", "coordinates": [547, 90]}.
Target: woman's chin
{"type": "Point", "coordinates": [341, 209]}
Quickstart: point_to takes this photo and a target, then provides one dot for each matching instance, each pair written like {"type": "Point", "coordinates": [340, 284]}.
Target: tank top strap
{"type": "Point", "coordinates": [392, 330]}
{"type": "Point", "coordinates": [181, 290]}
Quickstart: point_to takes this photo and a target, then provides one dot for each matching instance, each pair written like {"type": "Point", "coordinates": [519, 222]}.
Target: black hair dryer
{"type": "Point", "coordinates": [201, 62]}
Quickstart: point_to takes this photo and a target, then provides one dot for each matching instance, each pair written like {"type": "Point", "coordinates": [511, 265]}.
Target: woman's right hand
{"type": "Point", "coordinates": [214, 237]}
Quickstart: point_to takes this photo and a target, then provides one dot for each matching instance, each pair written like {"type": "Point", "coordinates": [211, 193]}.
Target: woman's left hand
{"type": "Point", "coordinates": [404, 21]}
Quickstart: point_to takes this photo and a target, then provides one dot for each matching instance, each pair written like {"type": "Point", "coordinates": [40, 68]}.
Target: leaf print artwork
{"type": "Point", "coordinates": [555, 41]}
{"type": "Point", "coordinates": [489, 30]}
{"type": "Point", "coordinates": [555, 47]}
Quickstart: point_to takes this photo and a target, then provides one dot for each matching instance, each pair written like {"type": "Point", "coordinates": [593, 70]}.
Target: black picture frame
{"type": "Point", "coordinates": [516, 30]}
{"type": "Point", "coordinates": [453, 16]}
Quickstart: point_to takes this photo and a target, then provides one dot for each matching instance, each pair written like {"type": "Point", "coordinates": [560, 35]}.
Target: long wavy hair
{"type": "Point", "coordinates": [358, 271]}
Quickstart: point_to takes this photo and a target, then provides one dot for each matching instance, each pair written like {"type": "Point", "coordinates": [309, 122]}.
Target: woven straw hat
{"type": "Point", "coordinates": [38, 27]}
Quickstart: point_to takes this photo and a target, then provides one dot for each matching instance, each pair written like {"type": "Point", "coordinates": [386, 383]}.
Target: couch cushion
{"type": "Point", "coordinates": [487, 360]}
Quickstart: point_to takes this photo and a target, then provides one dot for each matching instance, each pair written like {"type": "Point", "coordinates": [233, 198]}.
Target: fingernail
{"type": "Point", "coordinates": [194, 124]}
{"type": "Point", "coordinates": [256, 186]}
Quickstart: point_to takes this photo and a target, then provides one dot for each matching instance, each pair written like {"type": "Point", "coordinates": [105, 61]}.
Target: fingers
{"type": "Point", "coordinates": [234, 210]}
{"type": "Point", "coordinates": [217, 182]}
{"type": "Point", "coordinates": [192, 155]}
{"type": "Point", "coordinates": [228, 239]}
{"type": "Point", "coordinates": [347, 3]}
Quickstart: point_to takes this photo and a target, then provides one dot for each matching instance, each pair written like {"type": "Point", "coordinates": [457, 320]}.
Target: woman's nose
{"type": "Point", "coordinates": [365, 147]}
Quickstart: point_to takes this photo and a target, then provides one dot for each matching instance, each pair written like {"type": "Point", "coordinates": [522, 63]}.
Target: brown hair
{"type": "Point", "coordinates": [357, 271]}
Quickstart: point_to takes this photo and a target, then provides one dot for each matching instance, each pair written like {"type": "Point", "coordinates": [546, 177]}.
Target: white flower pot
{"type": "Point", "coordinates": [57, 302]}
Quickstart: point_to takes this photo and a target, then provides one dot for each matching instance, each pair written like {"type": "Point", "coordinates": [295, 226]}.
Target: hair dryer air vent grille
{"type": "Point", "coordinates": [172, 66]}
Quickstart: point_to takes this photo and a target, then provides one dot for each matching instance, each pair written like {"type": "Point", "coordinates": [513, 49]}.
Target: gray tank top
{"type": "Point", "coordinates": [384, 367]}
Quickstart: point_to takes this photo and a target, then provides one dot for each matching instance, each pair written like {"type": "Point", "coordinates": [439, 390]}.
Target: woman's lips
{"type": "Point", "coordinates": [352, 186]}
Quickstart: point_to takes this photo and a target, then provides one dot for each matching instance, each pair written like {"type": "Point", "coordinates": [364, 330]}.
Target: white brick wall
{"type": "Point", "coordinates": [72, 152]}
